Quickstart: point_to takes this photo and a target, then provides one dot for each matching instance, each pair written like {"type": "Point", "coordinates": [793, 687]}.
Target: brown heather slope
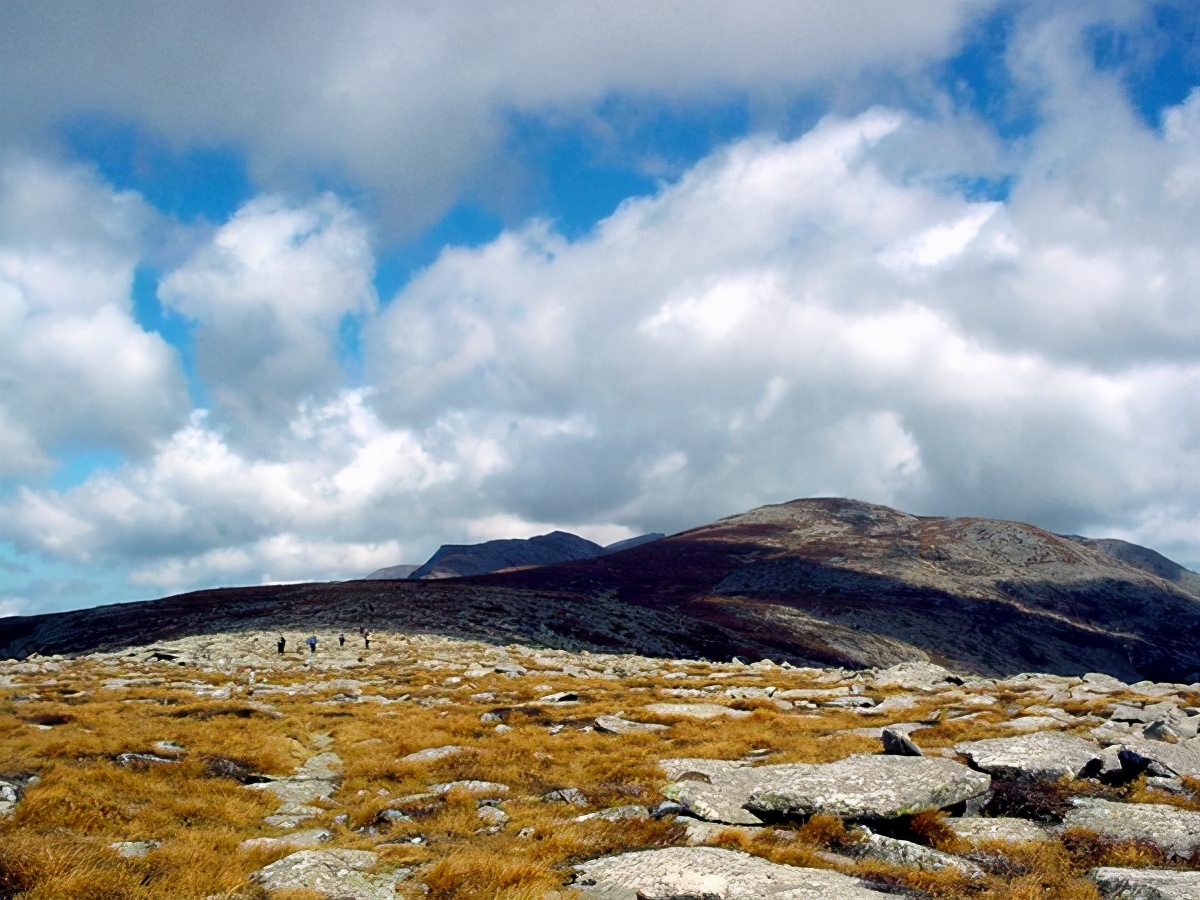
{"type": "Point", "coordinates": [827, 582]}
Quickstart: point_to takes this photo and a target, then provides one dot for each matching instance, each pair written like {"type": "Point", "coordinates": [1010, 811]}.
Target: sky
{"type": "Point", "coordinates": [294, 291]}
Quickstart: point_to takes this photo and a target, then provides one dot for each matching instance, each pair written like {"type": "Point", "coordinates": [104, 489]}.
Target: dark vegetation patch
{"type": "Point", "coordinates": [1040, 800]}
{"type": "Point", "coordinates": [211, 711]}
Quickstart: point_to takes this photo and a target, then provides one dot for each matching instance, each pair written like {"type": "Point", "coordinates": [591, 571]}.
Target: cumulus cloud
{"type": "Point", "coordinates": [75, 367]}
{"type": "Point", "coordinates": [412, 98]}
{"type": "Point", "coordinates": [269, 293]}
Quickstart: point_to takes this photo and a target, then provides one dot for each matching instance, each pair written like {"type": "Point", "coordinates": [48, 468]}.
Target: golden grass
{"type": "Point", "coordinates": [57, 843]}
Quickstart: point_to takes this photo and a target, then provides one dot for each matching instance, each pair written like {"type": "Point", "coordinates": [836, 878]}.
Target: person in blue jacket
{"type": "Point", "coordinates": [312, 643]}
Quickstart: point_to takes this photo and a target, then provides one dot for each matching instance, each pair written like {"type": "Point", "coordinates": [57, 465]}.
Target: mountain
{"type": "Point", "coordinates": [824, 582]}
{"type": "Point", "coordinates": [394, 572]}
{"type": "Point", "coordinates": [458, 560]}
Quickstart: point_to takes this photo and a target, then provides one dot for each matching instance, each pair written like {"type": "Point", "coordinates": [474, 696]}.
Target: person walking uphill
{"type": "Point", "coordinates": [342, 640]}
{"type": "Point", "coordinates": [312, 643]}
{"type": "Point", "coordinates": [282, 643]}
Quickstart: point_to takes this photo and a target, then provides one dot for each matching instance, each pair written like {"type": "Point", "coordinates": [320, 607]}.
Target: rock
{"type": "Point", "coordinates": [1172, 728]}
{"type": "Point", "coordinates": [135, 849]}
{"type": "Point", "coordinates": [906, 854]}
{"type": "Point", "coordinates": [1146, 884]}
{"type": "Point", "coordinates": [333, 874]}
{"type": "Point", "coordinates": [699, 832]}
{"type": "Point", "coordinates": [858, 787]}
{"type": "Point", "coordinates": [817, 694]}
{"type": "Point", "coordinates": [853, 702]}
{"type": "Point", "coordinates": [470, 787]}
{"type": "Point", "coordinates": [1044, 754]}
{"type": "Point", "coordinates": [617, 725]}
{"type": "Point", "coordinates": [296, 841]}
{"type": "Point", "coordinates": [1099, 683]}
{"type": "Point", "coordinates": [1176, 830]}
{"type": "Point", "coordinates": [916, 676]}
{"type": "Point", "coordinates": [1160, 758]}
{"type": "Point", "coordinates": [570, 795]}
{"type": "Point", "coordinates": [889, 705]}
{"type": "Point", "coordinates": [616, 814]}
{"type": "Point", "coordinates": [323, 766]}
{"type": "Point", "coordinates": [896, 742]}
{"type": "Point", "coordinates": [430, 754]}
{"type": "Point", "coordinates": [560, 697]}
{"type": "Point", "coordinates": [695, 710]}
{"type": "Point", "coordinates": [10, 796]}
{"type": "Point", "coordinates": [493, 816]}
{"type": "Point", "coordinates": [710, 873]}
{"type": "Point", "coordinates": [296, 792]}
{"type": "Point", "coordinates": [1015, 831]}
{"type": "Point", "coordinates": [1027, 724]}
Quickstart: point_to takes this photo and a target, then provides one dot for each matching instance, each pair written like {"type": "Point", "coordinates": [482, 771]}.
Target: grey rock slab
{"type": "Point", "coordinates": [134, 849]}
{"type": "Point", "coordinates": [710, 873]}
{"type": "Point", "coordinates": [1146, 884]}
{"type": "Point", "coordinates": [909, 855]}
{"type": "Point", "coordinates": [332, 873]}
{"type": "Point", "coordinates": [310, 837]}
{"type": "Point", "coordinates": [1175, 830]}
{"type": "Point", "coordinates": [858, 787]}
{"type": "Point", "coordinates": [618, 725]}
{"type": "Point", "coordinates": [430, 754]}
{"type": "Point", "coordinates": [615, 814]}
{"type": "Point", "coordinates": [698, 832]}
{"type": "Point", "coordinates": [916, 676]}
{"type": "Point", "coordinates": [570, 795]}
{"type": "Point", "coordinates": [292, 792]}
{"type": "Point", "coordinates": [1043, 754]}
{"type": "Point", "coordinates": [1014, 831]}
{"type": "Point", "coordinates": [695, 710]}
{"type": "Point", "coordinates": [323, 766]}
{"type": "Point", "coordinates": [470, 787]}
{"type": "Point", "coordinates": [1029, 724]}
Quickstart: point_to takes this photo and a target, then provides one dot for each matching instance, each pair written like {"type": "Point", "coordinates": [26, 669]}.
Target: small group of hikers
{"type": "Point", "coordinates": [311, 640]}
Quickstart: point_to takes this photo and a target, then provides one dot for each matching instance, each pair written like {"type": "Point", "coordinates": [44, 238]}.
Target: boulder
{"type": "Point", "coordinates": [916, 676]}
{"type": "Point", "coordinates": [1146, 884]}
{"type": "Point", "coordinates": [470, 787]}
{"type": "Point", "coordinates": [1043, 754]}
{"type": "Point", "coordinates": [896, 742]}
{"type": "Point", "coordinates": [430, 754]}
{"type": "Point", "coordinates": [1175, 830]}
{"type": "Point", "coordinates": [858, 787]}
{"type": "Point", "coordinates": [695, 710]}
{"type": "Point", "coordinates": [908, 855]}
{"type": "Point", "coordinates": [310, 837]}
{"type": "Point", "coordinates": [332, 873]}
{"type": "Point", "coordinates": [1012, 831]}
{"type": "Point", "coordinates": [617, 725]}
{"type": "Point", "coordinates": [711, 873]}
{"type": "Point", "coordinates": [615, 814]}
{"type": "Point", "coordinates": [1159, 758]}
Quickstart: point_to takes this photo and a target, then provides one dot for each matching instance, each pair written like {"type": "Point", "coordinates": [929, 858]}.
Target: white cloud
{"type": "Point", "coordinates": [13, 606]}
{"type": "Point", "coordinates": [269, 293]}
{"type": "Point", "coordinates": [75, 367]}
{"type": "Point", "coordinates": [412, 98]}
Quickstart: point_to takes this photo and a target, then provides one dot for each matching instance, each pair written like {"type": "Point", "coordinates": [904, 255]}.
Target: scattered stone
{"type": "Point", "coordinates": [560, 697]}
{"type": "Point", "coordinates": [10, 796]}
{"type": "Point", "coordinates": [1015, 831]}
{"type": "Point", "coordinates": [469, 786]}
{"type": "Point", "coordinates": [570, 795]}
{"type": "Point", "coordinates": [618, 725]}
{"type": "Point", "coordinates": [430, 754]}
{"type": "Point", "coordinates": [135, 849]}
{"type": "Point", "coordinates": [312, 837]}
{"type": "Point", "coordinates": [896, 742]}
{"type": "Point", "coordinates": [145, 759]}
{"type": "Point", "coordinates": [1146, 884]}
{"type": "Point", "coordinates": [909, 855]}
{"type": "Point", "coordinates": [710, 873]}
{"type": "Point", "coordinates": [333, 874]}
{"type": "Point", "coordinates": [695, 710]}
{"type": "Point", "coordinates": [615, 814]}
{"type": "Point", "coordinates": [1044, 754]}
{"type": "Point", "coordinates": [493, 816]}
{"type": "Point", "coordinates": [1175, 830]}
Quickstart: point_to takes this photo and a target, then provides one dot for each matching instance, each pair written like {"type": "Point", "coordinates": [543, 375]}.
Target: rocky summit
{"type": "Point", "coordinates": [792, 703]}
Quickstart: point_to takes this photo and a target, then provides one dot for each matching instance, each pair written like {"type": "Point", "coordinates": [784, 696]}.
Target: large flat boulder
{"type": "Point", "coordinates": [857, 787]}
{"type": "Point", "coordinates": [1043, 754]}
{"type": "Point", "coordinates": [711, 873]}
{"type": "Point", "coordinates": [695, 710]}
{"type": "Point", "coordinates": [1161, 758]}
{"type": "Point", "coordinates": [1146, 884]}
{"type": "Point", "coordinates": [1176, 830]}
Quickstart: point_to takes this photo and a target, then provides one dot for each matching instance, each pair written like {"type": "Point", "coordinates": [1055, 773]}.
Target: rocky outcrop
{"type": "Point", "coordinates": [1043, 754]}
{"type": "Point", "coordinates": [332, 874]}
{"type": "Point", "coordinates": [458, 560]}
{"type": "Point", "coordinates": [1175, 830]}
{"type": "Point", "coordinates": [710, 873]}
{"type": "Point", "coordinates": [856, 788]}
{"type": "Point", "coordinates": [1146, 884]}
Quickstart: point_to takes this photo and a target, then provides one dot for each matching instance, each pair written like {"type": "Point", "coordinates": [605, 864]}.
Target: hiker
{"type": "Point", "coordinates": [282, 643]}
{"type": "Point", "coordinates": [366, 639]}
{"type": "Point", "coordinates": [312, 643]}
{"type": "Point", "coordinates": [342, 639]}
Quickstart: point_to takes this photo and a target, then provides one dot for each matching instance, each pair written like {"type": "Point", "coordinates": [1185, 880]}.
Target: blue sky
{"type": "Point", "coordinates": [296, 291]}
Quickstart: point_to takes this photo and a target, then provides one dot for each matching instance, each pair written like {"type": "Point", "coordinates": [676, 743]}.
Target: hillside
{"type": "Point", "coordinates": [825, 582]}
